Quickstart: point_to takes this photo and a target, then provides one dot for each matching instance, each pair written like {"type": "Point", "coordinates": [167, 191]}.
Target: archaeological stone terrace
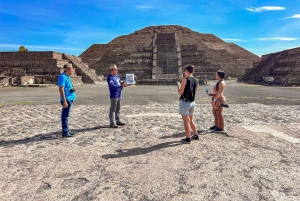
{"type": "Point", "coordinates": [161, 52]}
{"type": "Point", "coordinates": [280, 68]}
{"type": "Point", "coordinates": [29, 68]}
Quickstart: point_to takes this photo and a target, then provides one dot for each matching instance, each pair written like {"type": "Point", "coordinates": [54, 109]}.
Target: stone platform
{"type": "Point", "coordinates": [144, 160]}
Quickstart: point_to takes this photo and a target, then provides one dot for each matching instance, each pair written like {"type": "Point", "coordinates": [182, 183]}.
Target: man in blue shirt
{"type": "Point", "coordinates": [115, 87]}
{"type": "Point", "coordinates": [67, 96]}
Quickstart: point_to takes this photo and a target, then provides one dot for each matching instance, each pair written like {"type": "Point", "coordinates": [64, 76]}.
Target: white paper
{"type": "Point", "coordinates": [129, 78]}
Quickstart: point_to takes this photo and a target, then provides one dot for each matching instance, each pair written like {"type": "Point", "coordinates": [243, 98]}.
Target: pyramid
{"type": "Point", "coordinates": [162, 52]}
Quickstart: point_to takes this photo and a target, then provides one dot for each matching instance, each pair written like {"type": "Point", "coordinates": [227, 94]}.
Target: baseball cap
{"type": "Point", "coordinates": [113, 67]}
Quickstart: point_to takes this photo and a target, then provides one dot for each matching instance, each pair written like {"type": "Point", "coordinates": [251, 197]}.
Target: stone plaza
{"type": "Point", "coordinates": [258, 159]}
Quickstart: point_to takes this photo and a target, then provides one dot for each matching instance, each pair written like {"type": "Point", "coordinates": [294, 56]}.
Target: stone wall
{"type": "Point", "coordinates": [24, 68]}
{"type": "Point", "coordinates": [44, 79]}
{"type": "Point", "coordinates": [30, 63]}
{"type": "Point", "coordinates": [24, 80]}
{"type": "Point", "coordinates": [4, 81]}
{"type": "Point", "coordinates": [14, 67]}
{"type": "Point", "coordinates": [31, 54]}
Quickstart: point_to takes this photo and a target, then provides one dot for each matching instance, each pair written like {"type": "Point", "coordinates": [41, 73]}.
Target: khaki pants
{"type": "Point", "coordinates": [114, 112]}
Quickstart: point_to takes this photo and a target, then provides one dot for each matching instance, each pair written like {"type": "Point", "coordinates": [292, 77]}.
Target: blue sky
{"type": "Point", "coordinates": [261, 27]}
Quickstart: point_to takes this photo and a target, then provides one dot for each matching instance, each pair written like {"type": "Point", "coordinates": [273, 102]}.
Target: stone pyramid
{"type": "Point", "coordinates": [161, 52]}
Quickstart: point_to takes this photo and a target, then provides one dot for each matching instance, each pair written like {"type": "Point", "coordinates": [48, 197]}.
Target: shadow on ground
{"type": "Point", "coordinates": [44, 137]}
{"type": "Point", "coordinates": [141, 150]}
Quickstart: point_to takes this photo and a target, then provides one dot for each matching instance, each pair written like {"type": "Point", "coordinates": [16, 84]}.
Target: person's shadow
{"type": "Point", "coordinates": [175, 135]}
{"type": "Point", "coordinates": [182, 134]}
{"type": "Point", "coordinates": [139, 150]}
{"type": "Point", "coordinates": [44, 137]}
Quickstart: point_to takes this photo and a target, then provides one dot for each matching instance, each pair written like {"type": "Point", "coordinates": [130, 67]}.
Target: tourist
{"type": "Point", "coordinates": [218, 99]}
{"type": "Point", "coordinates": [187, 90]}
{"type": "Point", "coordinates": [67, 96]}
{"type": "Point", "coordinates": [115, 87]}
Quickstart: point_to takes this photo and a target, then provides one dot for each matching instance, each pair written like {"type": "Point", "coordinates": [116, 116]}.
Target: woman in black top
{"type": "Point", "coordinates": [187, 90]}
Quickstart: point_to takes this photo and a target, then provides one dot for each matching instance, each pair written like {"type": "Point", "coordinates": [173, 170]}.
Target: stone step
{"type": "Point", "coordinates": [93, 71]}
{"type": "Point", "coordinates": [87, 74]}
{"type": "Point", "coordinates": [134, 69]}
{"type": "Point", "coordinates": [188, 48]}
{"type": "Point", "coordinates": [141, 55]}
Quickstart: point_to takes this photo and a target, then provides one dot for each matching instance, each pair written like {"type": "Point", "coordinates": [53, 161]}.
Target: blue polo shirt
{"type": "Point", "coordinates": [115, 87]}
{"type": "Point", "coordinates": [65, 81]}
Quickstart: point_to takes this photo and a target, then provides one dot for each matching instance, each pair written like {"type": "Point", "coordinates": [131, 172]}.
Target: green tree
{"type": "Point", "coordinates": [22, 49]}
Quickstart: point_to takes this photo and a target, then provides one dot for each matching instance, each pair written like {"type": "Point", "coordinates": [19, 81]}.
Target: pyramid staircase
{"type": "Point", "coordinates": [264, 68]}
{"type": "Point", "coordinates": [82, 69]}
{"type": "Point", "coordinates": [166, 56]}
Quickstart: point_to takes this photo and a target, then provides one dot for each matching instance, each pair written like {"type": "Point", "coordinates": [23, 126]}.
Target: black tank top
{"type": "Point", "coordinates": [189, 90]}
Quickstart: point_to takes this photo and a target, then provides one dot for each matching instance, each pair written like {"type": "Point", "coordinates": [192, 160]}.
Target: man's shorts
{"type": "Point", "coordinates": [186, 108]}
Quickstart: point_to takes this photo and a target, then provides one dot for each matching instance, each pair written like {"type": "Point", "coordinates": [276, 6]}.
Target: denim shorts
{"type": "Point", "coordinates": [186, 108]}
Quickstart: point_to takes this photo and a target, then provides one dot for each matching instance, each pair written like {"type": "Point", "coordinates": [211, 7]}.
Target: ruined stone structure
{"type": "Point", "coordinates": [161, 52]}
{"type": "Point", "coordinates": [280, 68]}
{"type": "Point", "coordinates": [25, 68]}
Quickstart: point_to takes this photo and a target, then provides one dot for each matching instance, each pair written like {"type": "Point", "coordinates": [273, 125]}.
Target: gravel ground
{"type": "Point", "coordinates": [258, 159]}
{"type": "Point", "coordinates": [89, 94]}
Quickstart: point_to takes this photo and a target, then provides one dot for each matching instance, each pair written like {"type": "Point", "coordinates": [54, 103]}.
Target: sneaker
{"type": "Point", "coordinates": [219, 130]}
{"type": "Point", "coordinates": [195, 137]}
{"type": "Point", "coordinates": [67, 135]}
{"type": "Point", "coordinates": [186, 140]}
{"type": "Point", "coordinates": [71, 133]}
{"type": "Point", "coordinates": [213, 127]}
{"type": "Point", "coordinates": [114, 126]}
{"type": "Point", "coordinates": [120, 123]}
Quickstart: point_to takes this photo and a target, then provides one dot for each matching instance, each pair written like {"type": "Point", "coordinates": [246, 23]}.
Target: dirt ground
{"type": "Point", "coordinates": [89, 94]}
{"type": "Point", "coordinates": [144, 160]}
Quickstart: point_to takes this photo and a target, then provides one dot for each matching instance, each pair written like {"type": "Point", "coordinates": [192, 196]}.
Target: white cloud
{"type": "Point", "coordinates": [265, 8]}
{"type": "Point", "coordinates": [277, 38]}
{"type": "Point", "coordinates": [38, 47]}
{"type": "Point", "coordinates": [294, 16]}
{"type": "Point", "coordinates": [232, 39]}
{"type": "Point", "coordinates": [143, 7]}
